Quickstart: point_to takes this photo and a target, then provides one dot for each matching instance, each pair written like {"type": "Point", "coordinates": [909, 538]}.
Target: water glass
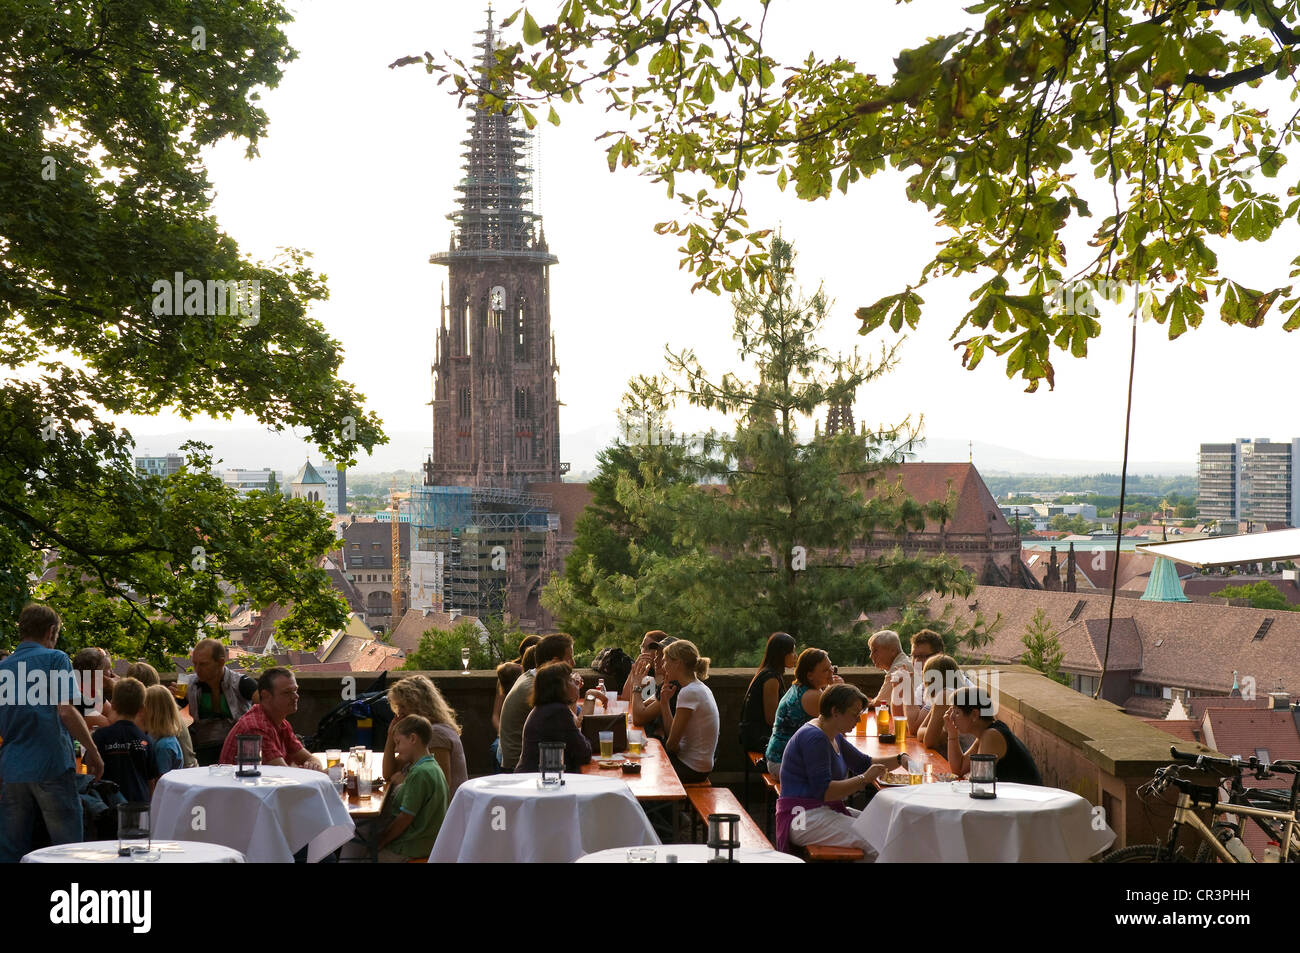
{"type": "Point", "coordinates": [363, 781]}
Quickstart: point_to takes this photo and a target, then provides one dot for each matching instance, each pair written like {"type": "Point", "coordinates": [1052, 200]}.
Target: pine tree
{"type": "Point", "coordinates": [1043, 650]}
{"type": "Point", "coordinates": [773, 548]}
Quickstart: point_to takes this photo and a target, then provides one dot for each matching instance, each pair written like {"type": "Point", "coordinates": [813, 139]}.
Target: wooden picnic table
{"type": "Point", "coordinates": [362, 808]}
{"type": "Point", "coordinates": [657, 780]}
{"type": "Point", "coordinates": [874, 748]}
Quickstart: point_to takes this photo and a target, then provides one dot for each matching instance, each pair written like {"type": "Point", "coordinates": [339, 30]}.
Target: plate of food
{"type": "Point", "coordinates": [893, 780]}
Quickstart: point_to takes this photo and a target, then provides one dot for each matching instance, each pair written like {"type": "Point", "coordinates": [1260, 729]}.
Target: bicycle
{"type": "Point", "coordinates": [1217, 838]}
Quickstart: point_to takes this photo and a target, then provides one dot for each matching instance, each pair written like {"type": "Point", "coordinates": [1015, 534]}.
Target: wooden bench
{"type": "Point", "coordinates": [710, 800]}
{"type": "Point", "coordinates": [815, 854]}
{"type": "Point", "coordinates": [772, 786]}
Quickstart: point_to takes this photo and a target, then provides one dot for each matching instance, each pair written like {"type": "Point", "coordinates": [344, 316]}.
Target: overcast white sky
{"type": "Point", "coordinates": [359, 167]}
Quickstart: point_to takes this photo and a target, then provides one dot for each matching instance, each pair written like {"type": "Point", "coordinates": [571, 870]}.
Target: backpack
{"type": "Point", "coordinates": [360, 721]}
{"type": "Point", "coordinates": [614, 665]}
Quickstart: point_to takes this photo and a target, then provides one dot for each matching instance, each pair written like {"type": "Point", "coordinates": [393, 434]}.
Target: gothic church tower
{"type": "Point", "coordinates": [495, 409]}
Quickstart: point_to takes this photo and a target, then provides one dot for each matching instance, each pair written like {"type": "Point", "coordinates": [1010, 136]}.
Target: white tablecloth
{"type": "Point", "coordinates": [506, 818]}
{"type": "Point", "coordinates": [929, 823]}
{"type": "Point", "coordinates": [105, 852]}
{"type": "Point", "coordinates": [692, 854]}
{"type": "Point", "coordinates": [268, 819]}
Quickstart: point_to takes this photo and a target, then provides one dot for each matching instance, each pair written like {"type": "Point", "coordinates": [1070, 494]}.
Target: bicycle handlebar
{"type": "Point", "coordinates": [1235, 763]}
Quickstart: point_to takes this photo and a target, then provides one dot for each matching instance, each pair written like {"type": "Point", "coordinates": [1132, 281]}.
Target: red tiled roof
{"type": "Point", "coordinates": [415, 623]}
{"type": "Point", "coordinates": [1190, 645]}
{"type": "Point", "coordinates": [1209, 585]}
{"type": "Point", "coordinates": [377, 657]}
{"type": "Point", "coordinates": [1241, 730]}
{"type": "Point", "coordinates": [1183, 730]}
{"type": "Point", "coordinates": [975, 511]}
{"type": "Point", "coordinates": [1125, 644]}
{"type": "Point", "coordinates": [1196, 707]}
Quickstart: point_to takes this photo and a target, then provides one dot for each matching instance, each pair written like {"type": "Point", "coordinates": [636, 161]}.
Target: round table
{"type": "Point", "coordinates": [105, 852]}
{"type": "Point", "coordinates": [927, 823]}
{"type": "Point", "coordinates": [692, 854]}
{"type": "Point", "coordinates": [507, 818]}
{"type": "Point", "coordinates": [267, 818]}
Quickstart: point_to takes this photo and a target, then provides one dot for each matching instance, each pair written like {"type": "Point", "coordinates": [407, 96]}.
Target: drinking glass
{"type": "Point", "coordinates": [900, 731]}
{"type": "Point", "coordinates": [132, 829]}
{"type": "Point", "coordinates": [635, 739]}
{"type": "Point", "coordinates": [333, 756]}
{"type": "Point", "coordinates": [363, 782]}
{"type": "Point", "coordinates": [916, 769]}
{"type": "Point", "coordinates": [607, 744]}
{"type": "Point", "coordinates": [464, 660]}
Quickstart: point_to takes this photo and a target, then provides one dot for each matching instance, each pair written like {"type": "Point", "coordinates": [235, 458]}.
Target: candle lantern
{"type": "Point", "coordinates": [983, 776]}
{"type": "Point", "coordinates": [248, 755]}
{"type": "Point", "coordinates": [724, 835]}
{"type": "Point", "coordinates": [550, 762]}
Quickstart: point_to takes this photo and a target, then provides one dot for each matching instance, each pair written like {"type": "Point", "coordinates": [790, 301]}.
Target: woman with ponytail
{"type": "Point", "coordinates": [692, 729]}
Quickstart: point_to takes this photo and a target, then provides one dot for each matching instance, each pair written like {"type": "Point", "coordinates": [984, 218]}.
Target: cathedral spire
{"type": "Point", "coordinates": [495, 214]}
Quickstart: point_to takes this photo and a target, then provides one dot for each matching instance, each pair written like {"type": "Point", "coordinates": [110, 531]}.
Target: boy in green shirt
{"type": "Point", "coordinates": [422, 799]}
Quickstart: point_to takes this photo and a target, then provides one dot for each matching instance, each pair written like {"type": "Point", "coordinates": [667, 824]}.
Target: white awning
{"type": "Point", "coordinates": [1278, 545]}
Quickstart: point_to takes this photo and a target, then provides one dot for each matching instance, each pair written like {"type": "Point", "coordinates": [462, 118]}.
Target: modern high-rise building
{"type": "Point", "coordinates": [1250, 480]}
{"type": "Point", "coordinates": [495, 409]}
{"type": "Point", "coordinates": [160, 466]}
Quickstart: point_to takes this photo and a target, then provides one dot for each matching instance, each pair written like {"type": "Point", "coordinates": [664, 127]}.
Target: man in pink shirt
{"type": "Point", "coordinates": [277, 692]}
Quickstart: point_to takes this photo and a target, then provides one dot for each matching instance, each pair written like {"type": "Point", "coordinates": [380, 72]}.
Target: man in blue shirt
{"type": "Point", "coordinates": [37, 772]}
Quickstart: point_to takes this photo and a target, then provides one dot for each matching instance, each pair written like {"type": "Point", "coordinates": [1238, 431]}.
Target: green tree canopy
{"type": "Point", "coordinates": [120, 293]}
{"type": "Point", "coordinates": [773, 548]}
{"type": "Point", "coordinates": [1149, 121]}
{"type": "Point", "coordinates": [1262, 595]}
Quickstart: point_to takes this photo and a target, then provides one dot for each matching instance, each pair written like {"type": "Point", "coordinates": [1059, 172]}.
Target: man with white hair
{"type": "Point", "coordinates": [887, 653]}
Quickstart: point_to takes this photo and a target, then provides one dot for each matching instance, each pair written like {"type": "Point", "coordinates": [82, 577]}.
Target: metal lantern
{"type": "Point", "coordinates": [983, 776]}
{"type": "Point", "coordinates": [550, 762]}
{"type": "Point", "coordinates": [133, 829]}
{"type": "Point", "coordinates": [248, 755]}
{"type": "Point", "coordinates": [724, 834]}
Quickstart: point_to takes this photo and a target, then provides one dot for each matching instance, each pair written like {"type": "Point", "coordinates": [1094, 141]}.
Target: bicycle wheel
{"type": "Point", "coordinates": [1138, 854]}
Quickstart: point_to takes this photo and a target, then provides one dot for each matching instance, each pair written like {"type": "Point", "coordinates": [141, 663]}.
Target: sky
{"type": "Point", "coordinates": [359, 167]}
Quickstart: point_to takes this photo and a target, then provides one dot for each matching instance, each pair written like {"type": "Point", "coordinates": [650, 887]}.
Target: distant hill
{"type": "Point", "coordinates": [991, 459]}
{"type": "Point", "coordinates": [406, 450]}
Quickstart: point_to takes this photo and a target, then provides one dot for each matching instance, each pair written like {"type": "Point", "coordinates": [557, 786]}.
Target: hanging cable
{"type": "Point", "coordinates": [1123, 485]}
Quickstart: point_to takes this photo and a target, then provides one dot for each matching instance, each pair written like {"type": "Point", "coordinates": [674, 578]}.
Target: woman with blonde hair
{"type": "Point", "coordinates": [692, 729]}
{"type": "Point", "coordinates": [416, 695]}
{"type": "Point", "coordinates": [161, 721]}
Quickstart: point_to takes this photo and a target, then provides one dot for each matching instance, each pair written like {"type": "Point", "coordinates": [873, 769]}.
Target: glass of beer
{"type": "Point", "coordinates": [635, 739]}
{"type": "Point", "coordinates": [607, 744]}
{"type": "Point", "coordinates": [179, 689]}
{"type": "Point", "coordinates": [862, 722]}
{"type": "Point", "coordinates": [900, 731]}
{"type": "Point", "coordinates": [332, 757]}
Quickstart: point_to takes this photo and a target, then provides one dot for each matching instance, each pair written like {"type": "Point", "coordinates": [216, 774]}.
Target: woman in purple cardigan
{"type": "Point", "coordinates": [553, 718]}
{"type": "Point", "coordinates": [816, 779]}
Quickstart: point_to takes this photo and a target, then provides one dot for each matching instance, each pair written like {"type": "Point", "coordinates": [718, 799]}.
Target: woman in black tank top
{"type": "Point", "coordinates": [971, 712]}
{"type": "Point", "coordinates": [759, 709]}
